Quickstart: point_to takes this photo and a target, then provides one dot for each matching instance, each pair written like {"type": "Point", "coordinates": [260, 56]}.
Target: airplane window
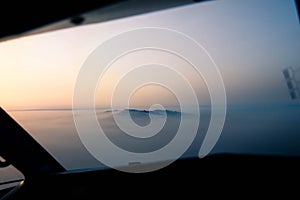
{"type": "Point", "coordinates": [236, 90]}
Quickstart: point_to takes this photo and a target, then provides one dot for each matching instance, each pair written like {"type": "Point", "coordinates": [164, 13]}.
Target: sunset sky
{"type": "Point", "coordinates": [250, 41]}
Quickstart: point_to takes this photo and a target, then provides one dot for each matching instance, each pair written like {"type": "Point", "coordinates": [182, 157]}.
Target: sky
{"type": "Point", "coordinates": [251, 42]}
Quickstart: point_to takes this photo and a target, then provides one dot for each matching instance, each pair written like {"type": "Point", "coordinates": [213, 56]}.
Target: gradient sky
{"type": "Point", "coordinates": [250, 41]}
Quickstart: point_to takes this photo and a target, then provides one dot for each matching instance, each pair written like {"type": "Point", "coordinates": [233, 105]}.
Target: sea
{"type": "Point", "coordinates": [253, 129]}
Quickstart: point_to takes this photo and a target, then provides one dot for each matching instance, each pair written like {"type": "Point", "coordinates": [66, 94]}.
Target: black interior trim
{"type": "Point", "coordinates": [23, 151]}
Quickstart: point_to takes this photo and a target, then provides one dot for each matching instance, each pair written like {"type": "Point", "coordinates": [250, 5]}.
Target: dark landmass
{"type": "Point", "coordinates": [156, 112]}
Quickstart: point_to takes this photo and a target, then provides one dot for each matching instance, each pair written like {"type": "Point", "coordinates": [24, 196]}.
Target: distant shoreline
{"type": "Point", "coordinates": [136, 109]}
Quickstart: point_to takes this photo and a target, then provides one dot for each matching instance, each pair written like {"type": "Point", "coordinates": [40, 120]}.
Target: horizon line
{"type": "Point", "coordinates": [122, 108]}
